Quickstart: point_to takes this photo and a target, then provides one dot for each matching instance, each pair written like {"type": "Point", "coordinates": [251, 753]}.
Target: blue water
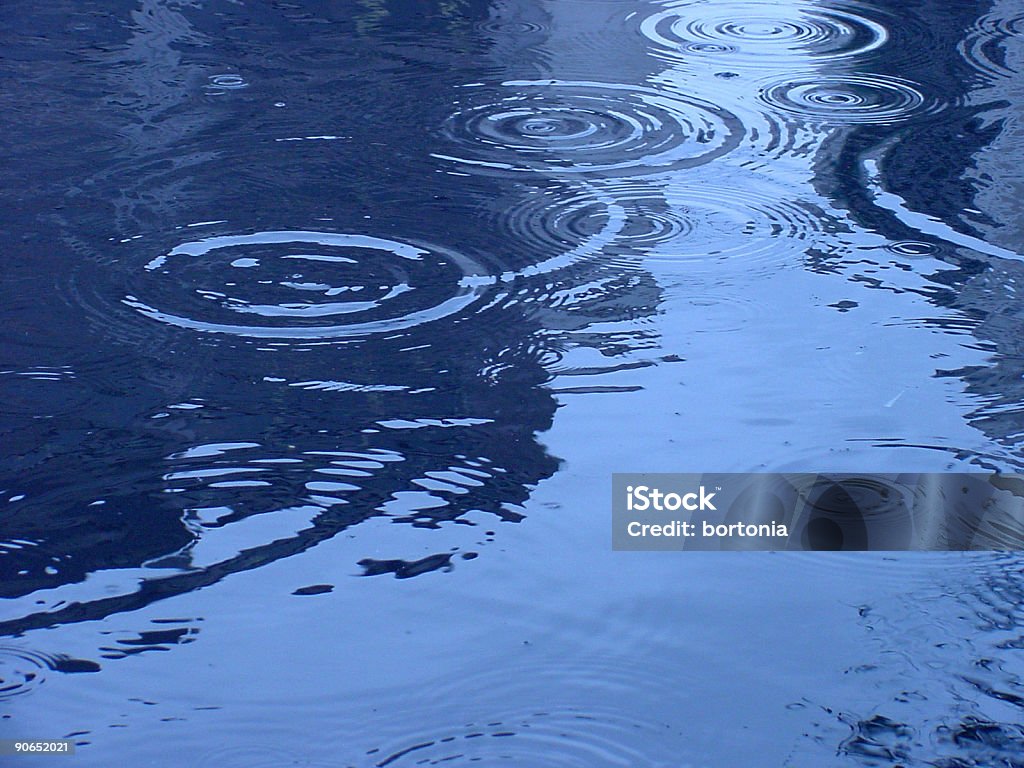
{"type": "Point", "coordinates": [325, 324]}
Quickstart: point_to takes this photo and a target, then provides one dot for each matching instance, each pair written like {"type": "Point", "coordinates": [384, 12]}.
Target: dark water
{"type": "Point", "coordinates": [326, 323]}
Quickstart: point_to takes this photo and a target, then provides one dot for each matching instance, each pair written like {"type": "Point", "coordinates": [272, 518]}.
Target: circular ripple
{"type": "Point", "coordinates": [912, 248]}
{"type": "Point", "coordinates": [747, 223]}
{"type": "Point", "coordinates": [583, 710]}
{"type": "Point", "coordinates": [220, 84]}
{"type": "Point", "coordinates": [758, 33]}
{"type": "Point", "coordinates": [20, 671]}
{"type": "Point", "coordinates": [304, 285]}
{"type": "Point", "coordinates": [855, 513]}
{"type": "Point", "coordinates": [254, 756]}
{"type": "Point", "coordinates": [510, 27]}
{"type": "Point", "coordinates": [586, 128]}
{"type": "Point", "coordinates": [563, 738]}
{"type": "Point", "coordinates": [984, 46]}
{"type": "Point", "coordinates": [709, 48]}
{"type": "Point", "coordinates": [561, 226]}
{"type": "Point", "coordinates": [847, 99]}
{"type": "Point", "coordinates": [721, 312]}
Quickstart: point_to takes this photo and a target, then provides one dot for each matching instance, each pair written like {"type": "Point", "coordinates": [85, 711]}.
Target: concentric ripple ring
{"type": "Point", "coordinates": [755, 33]}
{"type": "Point", "coordinates": [286, 284]}
{"type": "Point", "coordinates": [574, 127]}
{"type": "Point", "coordinates": [864, 98]}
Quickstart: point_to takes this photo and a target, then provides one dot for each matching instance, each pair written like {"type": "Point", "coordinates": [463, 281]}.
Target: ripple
{"type": "Point", "coordinates": [227, 504]}
{"type": "Point", "coordinates": [855, 513]}
{"type": "Point", "coordinates": [22, 670]}
{"type": "Point", "coordinates": [226, 487]}
{"type": "Point", "coordinates": [758, 34]}
{"type": "Point", "coordinates": [589, 708]}
{"type": "Point", "coordinates": [571, 224]}
{"type": "Point", "coordinates": [912, 248]}
{"type": "Point", "coordinates": [895, 570]}
{"type": "Point", "coordinates": [708, 48]}
{"type": "Point", "coordinates": [254, 756]}
{"type": "Point", "coordinates": [511, 27]}
{"type": "Point", "coordinates": [627, 224]}
{"type": "Point", "coordinates": [569, 127]}
{"type": "Point", "coordinates": [41, 391]}
{"type": "Point", "coordinates": [304, 285]}
{"type": "Point", "coordinates": [984, 46]}
{"type": "Point", "coordinates": [562, 738]}
{"type": "Point", "coordinates": [845, 99]}
{"type": "Point", "coordinates": [721, 312]}
{"type": "Point", "coordinates": [710, 225]}
{"type": "Point", "coordinates": [220, 84]}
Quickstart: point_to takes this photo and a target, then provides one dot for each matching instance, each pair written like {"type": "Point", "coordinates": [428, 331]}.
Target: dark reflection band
{"type": "Point", "coordinates": [926, 512]}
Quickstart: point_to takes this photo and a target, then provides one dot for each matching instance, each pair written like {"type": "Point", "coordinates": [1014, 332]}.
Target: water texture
{"type": "Point", "coordinates": [325, 325]}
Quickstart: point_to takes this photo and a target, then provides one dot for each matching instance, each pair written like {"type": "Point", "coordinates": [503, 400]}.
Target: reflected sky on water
{"type": "Point", "coordinates": [326, 324]}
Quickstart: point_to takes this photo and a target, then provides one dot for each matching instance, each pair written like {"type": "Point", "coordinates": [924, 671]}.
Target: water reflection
{"type": "Point", "coordinates": [287, 370]}
{"type": "Point", "coordinates": [305, 276]}
{"type": "Point", "coordinates": [974, 254]}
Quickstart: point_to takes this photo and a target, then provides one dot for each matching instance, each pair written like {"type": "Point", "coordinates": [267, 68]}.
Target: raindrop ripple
{"type": "Point", "coordinates": [299, 285]}
{"type": "Point", "coordinates": [598, 129]}
{"type": "Point", "coordinates": [848, 99]}
{"type": "Point", "coordinates": [749, 223]}
{"type": "Point", "coordinates": [755, 34]}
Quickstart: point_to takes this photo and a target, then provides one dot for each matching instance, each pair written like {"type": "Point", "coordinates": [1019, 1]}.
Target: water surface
{"type": "Point", "coordinates": [325, 325]}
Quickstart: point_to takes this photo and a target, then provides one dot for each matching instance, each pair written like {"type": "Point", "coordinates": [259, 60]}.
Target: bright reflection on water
{"type": "Point", "coordinates": [325, 325]}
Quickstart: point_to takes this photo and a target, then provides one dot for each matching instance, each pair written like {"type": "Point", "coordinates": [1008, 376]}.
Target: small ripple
{"type": "Point", "coordinates": [23, 670]}
{"type": "Point", "coordinates": [515, 27]}
{"type": "Point", "coordinates": [220, 84]}
{"type": "Point", "coordinates": [913, 248]}
{"type": "Point", "coordinates": [253, 756]}
{"type": "Point", "coordinates": [836, 365]}
{"type": "Point", "coordinates": [760, 34]}
{"type": "Point", "coordinates": [895, 570]}
{"type": "Point", "coordinates": [303, 285]}
{"type": "Point", "coordinates": [890, 512]}
{"type": "Point", "coordinates": [579, 127]}
{"type": "Point", "coordinates": [721, 312]}
{"type": "Point", "coordinates": [588, 708]}
{"type": "Point", "coordinates": [41, 391]}
{"type": "Point", "coordinates": [559, 217]}
{"type": "Point", "coordinates": [847, 99]}
{"type": "Point", "coordinates": [984, 46]}
{"type": "Point", "coordinates": [562, 738]}
{"type": "Point", "coordinates": [855, 513]}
